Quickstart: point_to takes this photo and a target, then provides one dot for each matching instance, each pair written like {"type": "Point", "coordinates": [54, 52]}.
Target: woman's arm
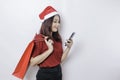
{"type": "Point", "coordinates": [66, 51]}
{"type": "Point", "coordinates": [40, 58]}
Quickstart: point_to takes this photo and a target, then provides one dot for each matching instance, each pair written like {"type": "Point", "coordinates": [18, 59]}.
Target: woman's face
{"type": "Point", "coordinates": [55, 23]}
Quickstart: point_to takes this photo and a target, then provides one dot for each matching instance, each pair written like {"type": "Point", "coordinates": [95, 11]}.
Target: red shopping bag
{"type": "Point", "coordinates": [23, 64]}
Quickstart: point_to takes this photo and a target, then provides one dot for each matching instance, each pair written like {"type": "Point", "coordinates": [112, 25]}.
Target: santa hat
{"type": "Point", "coordinates": [48, 12]}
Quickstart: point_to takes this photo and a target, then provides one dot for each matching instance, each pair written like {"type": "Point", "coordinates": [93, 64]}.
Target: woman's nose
{"type": "Point", "coordinates": [58, 24]}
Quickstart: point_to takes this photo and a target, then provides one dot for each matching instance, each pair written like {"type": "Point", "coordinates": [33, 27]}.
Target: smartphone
{"type": "Point", "coordinates": [71, 36]}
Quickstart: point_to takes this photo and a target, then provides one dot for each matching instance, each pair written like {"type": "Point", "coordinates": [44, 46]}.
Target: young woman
{"type": "Point", "coordinates": [48, 52]}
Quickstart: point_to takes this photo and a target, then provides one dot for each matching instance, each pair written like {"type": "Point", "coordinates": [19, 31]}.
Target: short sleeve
{"type": "Point", "coordinates": [37, 48]}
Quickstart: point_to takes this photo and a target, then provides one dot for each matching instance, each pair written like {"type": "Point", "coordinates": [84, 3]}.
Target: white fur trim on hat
{"type": "Point", "coordinates": [49, 15]}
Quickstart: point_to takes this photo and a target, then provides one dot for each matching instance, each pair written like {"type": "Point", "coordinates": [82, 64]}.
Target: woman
{"type": "Point", "coordinates": [48, 52]}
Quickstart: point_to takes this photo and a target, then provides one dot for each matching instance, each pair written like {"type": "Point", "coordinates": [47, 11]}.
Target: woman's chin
{"type": "Point", "coordinates": [54, 31]}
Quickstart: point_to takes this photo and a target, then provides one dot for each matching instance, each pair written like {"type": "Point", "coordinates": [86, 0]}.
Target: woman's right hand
{"type": "Point", "coordinates": [49, 43]}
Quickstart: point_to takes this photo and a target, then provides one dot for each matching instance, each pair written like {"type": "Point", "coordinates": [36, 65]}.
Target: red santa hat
{"type": "Point", "coordinates": [48, 12]}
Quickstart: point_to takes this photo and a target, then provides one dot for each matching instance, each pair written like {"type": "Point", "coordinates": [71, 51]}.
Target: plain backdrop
{"type": "Point", "coordinates": [95, 54]}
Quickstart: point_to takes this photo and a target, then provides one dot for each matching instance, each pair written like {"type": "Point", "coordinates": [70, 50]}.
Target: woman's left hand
{"type": "Point", "coordinates": [69, 43]}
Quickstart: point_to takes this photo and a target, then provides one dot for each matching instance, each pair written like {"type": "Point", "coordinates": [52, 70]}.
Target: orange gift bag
{"type": "Point", "coordinates": [23, 64]}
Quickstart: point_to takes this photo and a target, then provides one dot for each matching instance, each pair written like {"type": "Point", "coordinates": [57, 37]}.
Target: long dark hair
{"type": "Point", "coordinates": [46, 29]}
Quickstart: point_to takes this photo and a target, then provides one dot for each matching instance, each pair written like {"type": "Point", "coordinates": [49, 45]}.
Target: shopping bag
{"type": "Point", "coordinates": [23, 64]}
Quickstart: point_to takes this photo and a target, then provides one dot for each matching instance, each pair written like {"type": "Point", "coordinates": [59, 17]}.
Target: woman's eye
{"type": "Point", "coordinates": [55, 21]}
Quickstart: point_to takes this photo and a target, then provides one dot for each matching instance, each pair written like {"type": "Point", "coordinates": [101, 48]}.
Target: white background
{"type": "Point", "coordinates": [95, 54]}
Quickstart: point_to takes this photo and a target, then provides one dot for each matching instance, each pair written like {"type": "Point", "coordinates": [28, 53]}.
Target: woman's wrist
{"type": "Point", "coordinates": [50, 50]}
{"type": "Point", "coordinates": [68, 47]}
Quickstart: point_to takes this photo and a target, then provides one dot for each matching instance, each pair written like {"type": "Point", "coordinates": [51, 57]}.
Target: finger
{"type": "Point", "coordinates": [68, 41]}
{"type": "Point", "coordinates": [45, 40]}
{"type": "Point", "coordinates": [46, 37]}
{"type": "Point", "coordinates": [51, 41]}
{"type": "Point", "coordinates": [65, 43]}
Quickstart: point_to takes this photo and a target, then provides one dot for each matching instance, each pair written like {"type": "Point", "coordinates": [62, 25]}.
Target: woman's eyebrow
{"type": "Point", "coordinates": [56, 20]}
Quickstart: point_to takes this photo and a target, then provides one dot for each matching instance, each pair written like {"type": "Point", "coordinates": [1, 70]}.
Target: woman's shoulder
{"type": "Point", "coordinates": [39, 37]}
